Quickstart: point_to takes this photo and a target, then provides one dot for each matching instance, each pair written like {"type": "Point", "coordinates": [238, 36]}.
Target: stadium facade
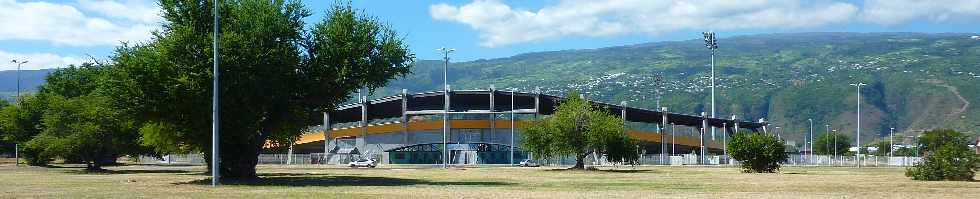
{"type": "Point", "coordinates": [483, 127]}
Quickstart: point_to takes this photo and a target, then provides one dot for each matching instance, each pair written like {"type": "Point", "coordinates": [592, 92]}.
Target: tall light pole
{"type": "Point", "coordinates": [827, 134]}
{"type": "Point", "coordinates": [811, 141]}
{"type": "Point", "coordinates": [857, 157]}
{"type": "Point", "coordinates": [19, 63]}
{"type": "Point", "coordinates": [214, 103]}
{"type": "Point", "coordinates": [891, 142]}
{"type": "Point", "coordinates": [835, 143]}
{"type": "Point", "coordinates": [445, 114]}
{"type": "Point", "coordinates": [712, 44]}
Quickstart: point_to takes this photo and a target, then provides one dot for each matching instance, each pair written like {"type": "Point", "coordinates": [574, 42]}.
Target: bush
{"type": "Point", "coordinates": [757, 152]}
{"type": "Point", "coordinates": [949, 162]}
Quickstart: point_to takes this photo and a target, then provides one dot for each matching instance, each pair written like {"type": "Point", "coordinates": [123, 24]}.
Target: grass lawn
{"type": "Point", "coordinates": [150, 181]}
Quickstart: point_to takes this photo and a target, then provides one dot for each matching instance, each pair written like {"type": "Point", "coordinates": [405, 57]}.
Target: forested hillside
{"type": "Point", "coordinates": [915, 81]}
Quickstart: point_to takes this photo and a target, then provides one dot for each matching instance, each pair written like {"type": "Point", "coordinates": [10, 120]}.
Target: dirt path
{"type": "Point", "coordinates": [955, 91]}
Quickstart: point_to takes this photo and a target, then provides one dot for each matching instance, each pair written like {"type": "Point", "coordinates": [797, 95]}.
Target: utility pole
{"type": "Point", "coordinates": [445, 114]}
{"type": "Point", "coordinates": [857, 157]}
{"type": "Point", "coordinates": [214, 104]}
{"type": "Point", "coordinates": [712, 44]}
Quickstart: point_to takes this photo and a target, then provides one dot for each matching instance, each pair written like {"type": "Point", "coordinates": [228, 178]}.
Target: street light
{"type": "Point", "coordinates": [19, 63]}
{"type": "Point", "coordinates": [891, 142]}
{"type": "Point", "coordinates": [811, 141]}
{"type": "Point", "coordinates": [214, 103]}
{"type": "Point", "coordinates": [858, 156]}
{"type": "Point", "coordinates": [712, 44]}
{"type": "Point", "coordinates": [445, 114]}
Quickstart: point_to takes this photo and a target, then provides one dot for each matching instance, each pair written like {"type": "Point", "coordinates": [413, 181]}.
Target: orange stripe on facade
{"type": "Point", "coordinates": [473, 124]}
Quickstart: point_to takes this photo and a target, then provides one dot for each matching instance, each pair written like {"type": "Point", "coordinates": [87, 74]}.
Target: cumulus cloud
{"type": "Point", "coordinates": [144, 11]}
{"type": "Point", "coordinates": [500, 24]}
{"type": "Point", "coordinates": [37, 60]}
{"type": "Point", "coordinates": [894, 12]}
{"type": "Point", "coordinates": [63, 24]}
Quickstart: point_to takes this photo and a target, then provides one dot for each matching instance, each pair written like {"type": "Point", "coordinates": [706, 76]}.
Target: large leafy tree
{"type": "Point", "coordinates": [578, 128]}
{"type": "Point", "coordinates": [275, 75]}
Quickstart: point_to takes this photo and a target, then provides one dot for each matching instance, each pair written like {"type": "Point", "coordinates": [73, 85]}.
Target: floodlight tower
{"type": "Point", "coordinates": [445, 114]}
{"type": "Point", "coordinates": [19, 63]}
{"type": "Point", "coordinates": [858, 156]}
{"type": "Point", "coordinates": [712, 44]}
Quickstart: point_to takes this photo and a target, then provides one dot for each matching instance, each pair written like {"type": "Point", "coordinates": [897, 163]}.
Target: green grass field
{"type": "Point", "coordinates": [68, 181]}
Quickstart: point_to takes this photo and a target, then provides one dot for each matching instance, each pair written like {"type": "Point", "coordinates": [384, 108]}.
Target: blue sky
{"type": "Point", "coordinates": [54, 33]}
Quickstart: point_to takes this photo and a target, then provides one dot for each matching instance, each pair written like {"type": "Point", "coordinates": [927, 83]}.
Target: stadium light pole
{"type": "Point", "coordinates": [445, 114]}
{"type": "Point", "coordinates": [19, 63]}
{"type": "Point", "coordinates": [835, 143]}
{"type": "Point", "coordinates": [712, 44]}
{"type": "Point", "coordinates": [215, 172]}
{"type": "Point", "coordinates": [857, 157]}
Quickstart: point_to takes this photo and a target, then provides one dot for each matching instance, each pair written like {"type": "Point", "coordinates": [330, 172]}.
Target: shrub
{"type": "Point", "coordinates": [757, 152]}
{"type": "Point", "coordinates": [946, 159]}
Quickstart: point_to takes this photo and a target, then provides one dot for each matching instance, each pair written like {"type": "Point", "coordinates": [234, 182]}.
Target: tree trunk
{"type": "Point", "coordinates": [238, 160]}
{"type": "Point", "coordinates": [579, 162]}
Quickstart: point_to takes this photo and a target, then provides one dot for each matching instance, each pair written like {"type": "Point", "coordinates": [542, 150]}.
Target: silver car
{"type": "Point", "coordinates": [529, 163]}
{"type": "Point", "coordinates": [363, 163]}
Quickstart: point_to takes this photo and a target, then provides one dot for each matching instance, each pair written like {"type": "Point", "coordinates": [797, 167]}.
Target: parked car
{"type": "Point", "coordinates": [363, 163]}
{"type": "Point", "coordinates": [529, 163]}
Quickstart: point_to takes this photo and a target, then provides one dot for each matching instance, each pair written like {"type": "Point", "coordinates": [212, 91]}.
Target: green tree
{"type": "Point", "coordinates": [931, 140]}
{"type": "Point", "coordinates": [946, 158]}
{"type": "Point", "coordinates": [578, 128]}
{"type": "Point", "coordinates": [825, 144]}
{"type": "Point", "coordinates": [275, 76]}
{"type": "Point", "coordinates": [757, 152]}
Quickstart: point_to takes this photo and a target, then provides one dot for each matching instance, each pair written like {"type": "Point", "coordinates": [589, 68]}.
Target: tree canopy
{"type": "Point", "coordinates": [826, 143]}
{"type": "Point", "coordinates": [275, 75]}
{"type": "Point", "coordinates": [578, 128]}
{"type": "Point", "coordinates": [757, 152]}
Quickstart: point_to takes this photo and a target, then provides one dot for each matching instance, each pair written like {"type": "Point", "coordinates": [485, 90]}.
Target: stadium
{"type": "Point", "coordinates": [483, 127]}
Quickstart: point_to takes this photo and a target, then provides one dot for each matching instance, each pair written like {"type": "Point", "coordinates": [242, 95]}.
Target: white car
{"type": "Point", "coordinates": [529, 163]}
{"type": "Point", "coordinates": [363, 163]}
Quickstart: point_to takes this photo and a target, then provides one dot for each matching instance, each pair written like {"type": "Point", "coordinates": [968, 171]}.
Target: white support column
{"type": "Point", "coordinates": [364, 124]}
{"type": "Point", "coordinates": [704, 127]}
{"type": "Point", "coordinates": [445, 128]}
{"type": "Point", "coordinates": [493, 116]}
{"type": "Point", "coordinates": [663, 138]}
{"type": "Point", "coordinates": [511, 127]}
{"type": "Point", "coordinates": [289, 155]}
{"type": "Point", "coordinates": [326, 136]}
{"type": "Point", "coordinates": [405, 116]}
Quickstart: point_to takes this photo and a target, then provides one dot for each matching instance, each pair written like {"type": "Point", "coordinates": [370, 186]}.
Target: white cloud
{"type": "Point", "coordinates": [499, 24]}
{"type": "Point", "coordinates": [62, 24]}
{"type": "Point", "coordinates": [893, 12]}
{"type": "Point", "coordinates": [37, 60]}
{"type": "Point", "coordinates": [135, 10]}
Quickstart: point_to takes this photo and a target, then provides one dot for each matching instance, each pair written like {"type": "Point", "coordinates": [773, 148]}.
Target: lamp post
{"type": "Point", "coordinates": [214, 103]}
{"type": "Point", "coordinates": [712, 44]}
{"type": "Point", "coordinates": [810, 157]}
{"type": "Point", "coordinates": [857, 157]}
{"type": "Point", "coordinates": [445, 114]}
{"type": "Point", "coordinates": [891, 142]}
{"type": "Point", "coordinates": [827, 134]}
{"type": "Point", "coordinates": [19, 63]}
{"type": "Point", "coordinates": [835, 142]}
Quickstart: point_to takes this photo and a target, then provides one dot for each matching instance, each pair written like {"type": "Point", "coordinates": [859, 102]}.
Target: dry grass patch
{"type": "Point", "coordinates": [483, 182]}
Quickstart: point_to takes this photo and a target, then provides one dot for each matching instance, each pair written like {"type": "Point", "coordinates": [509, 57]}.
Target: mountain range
{"type": "Point", "coordinates": [915, 81]}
